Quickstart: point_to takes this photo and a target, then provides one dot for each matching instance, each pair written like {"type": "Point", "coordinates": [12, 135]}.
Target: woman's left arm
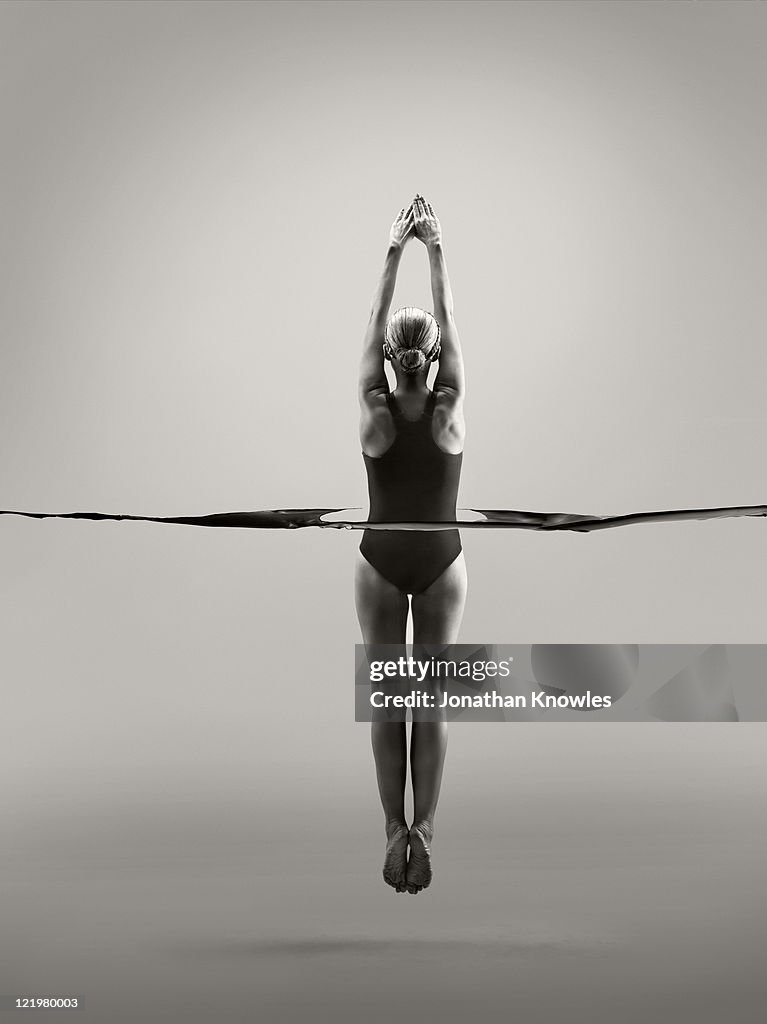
{"type": "Point", "coordinates": [372, 379]}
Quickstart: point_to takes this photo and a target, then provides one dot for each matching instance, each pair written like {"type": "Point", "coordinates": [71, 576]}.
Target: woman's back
{"type": "Point", "coordinates": [414, 480]}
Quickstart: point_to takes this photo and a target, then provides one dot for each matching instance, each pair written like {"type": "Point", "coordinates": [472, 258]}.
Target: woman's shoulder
{"type": "Point", "coordinates": [377, 430]}
{"type": "Point", "coordinates": [448, 426]}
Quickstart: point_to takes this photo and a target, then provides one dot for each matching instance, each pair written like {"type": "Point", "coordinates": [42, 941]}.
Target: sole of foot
{"type": "Point", "coordinates": [395, 859]}
{"type": "Point", "coordinates": [419, 873]}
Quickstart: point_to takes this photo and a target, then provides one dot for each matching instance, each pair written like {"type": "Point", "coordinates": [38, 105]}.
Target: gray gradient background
{"type": "Point", "coordinates": [195, 203]}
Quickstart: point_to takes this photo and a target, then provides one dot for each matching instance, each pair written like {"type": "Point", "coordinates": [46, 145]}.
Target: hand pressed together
{"type": "Point", "coordinates": [427, 226]}
{"type": "Point", "coordinates": [416, 221]}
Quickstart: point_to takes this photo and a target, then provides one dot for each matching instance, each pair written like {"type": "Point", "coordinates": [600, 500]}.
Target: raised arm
{"type": "Point", "coordinates": [372, 379]}
{"type": "Point", "coordinates": [450, 378]}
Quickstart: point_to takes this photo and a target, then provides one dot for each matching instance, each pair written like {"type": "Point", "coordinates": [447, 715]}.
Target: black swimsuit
{"type": "Point", "coordinates": [413, 481]}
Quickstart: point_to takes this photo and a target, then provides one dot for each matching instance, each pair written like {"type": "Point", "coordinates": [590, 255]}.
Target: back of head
{"type": "Point", "coordinates": [412, 335]}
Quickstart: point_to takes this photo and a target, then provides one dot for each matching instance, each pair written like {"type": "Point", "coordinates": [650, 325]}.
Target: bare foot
{"type": "Point", "coordinates": [395, 861]}
{"type": "Point", "coordinates": [419, 862]}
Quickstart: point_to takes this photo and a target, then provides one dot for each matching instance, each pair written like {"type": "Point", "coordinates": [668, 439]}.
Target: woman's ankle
{"type": "Point", "coordinates": [394, 825]}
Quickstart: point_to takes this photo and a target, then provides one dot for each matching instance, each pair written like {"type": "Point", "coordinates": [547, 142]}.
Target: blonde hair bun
{"type": "Point", "coordinates": [411, 359]}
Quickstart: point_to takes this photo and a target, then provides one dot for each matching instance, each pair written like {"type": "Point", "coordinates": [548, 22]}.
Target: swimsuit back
{"type": "Point", "coordinates": [413, 481]}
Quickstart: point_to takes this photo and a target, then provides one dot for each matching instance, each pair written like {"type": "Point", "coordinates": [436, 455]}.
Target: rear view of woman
{"type": "Point", "coordinates": [412, 444]}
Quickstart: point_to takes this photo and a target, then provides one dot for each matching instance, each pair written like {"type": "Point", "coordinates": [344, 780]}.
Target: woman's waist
{"type": "Point", "coordinates": [394, 512]}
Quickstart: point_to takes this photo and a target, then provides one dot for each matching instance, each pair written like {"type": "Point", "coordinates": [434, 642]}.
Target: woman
{"type": "Point", "coordinates": [412, 444]}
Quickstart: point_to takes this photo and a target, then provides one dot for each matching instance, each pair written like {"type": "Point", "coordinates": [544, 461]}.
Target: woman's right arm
{"type": "Point", "coordinates": [375, 418]}
{"type": "Point", "coordinates": [450, 377]}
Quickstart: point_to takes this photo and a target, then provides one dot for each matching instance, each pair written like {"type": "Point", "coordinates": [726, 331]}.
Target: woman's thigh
{"type": "Point", "coordinates": [438, 611]}
{"type": "Point", "coordinates": [382, 608]}
{"type": "Point", "coordinates": [437, 614]}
